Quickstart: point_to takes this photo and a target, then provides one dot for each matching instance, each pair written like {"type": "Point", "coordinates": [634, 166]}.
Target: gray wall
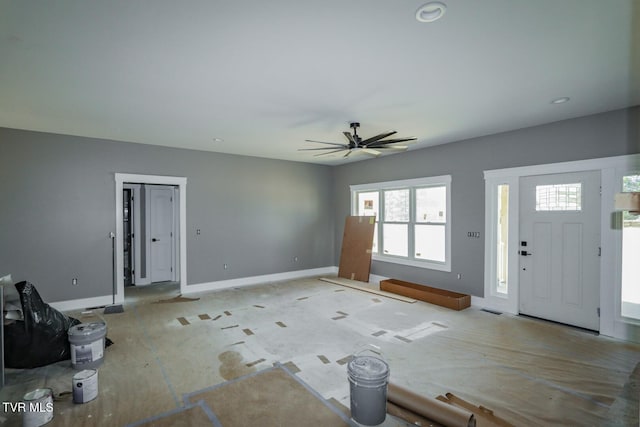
{"type": "Point", "coordinates": [609, 134]}
{"type": "Point", "coordinates": [57, 208]}
{"type": "Point", "coordinates": [57, 203]}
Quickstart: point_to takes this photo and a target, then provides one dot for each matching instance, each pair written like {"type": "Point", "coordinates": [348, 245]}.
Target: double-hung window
{"type": "Point", "coordinates": [413, 220]}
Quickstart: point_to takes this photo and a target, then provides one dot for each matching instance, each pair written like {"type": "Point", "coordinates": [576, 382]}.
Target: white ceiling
{"type": "Point", "coordinates": [266, 75]}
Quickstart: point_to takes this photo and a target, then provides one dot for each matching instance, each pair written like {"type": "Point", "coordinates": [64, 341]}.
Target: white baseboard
{"type": "Point", "coordinates": [256, 280]}
{"type": "Point", "coordinates": [78, 304]}
{"type": "Point", "coordinates": [478, 302]}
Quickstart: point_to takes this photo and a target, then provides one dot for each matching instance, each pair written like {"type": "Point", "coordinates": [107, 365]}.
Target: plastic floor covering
{"type": "Point", "coordinates": [529, 372]}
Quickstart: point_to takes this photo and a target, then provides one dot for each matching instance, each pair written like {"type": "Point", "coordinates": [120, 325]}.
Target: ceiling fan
{"type": "Point", "coordinates": [373, 146]}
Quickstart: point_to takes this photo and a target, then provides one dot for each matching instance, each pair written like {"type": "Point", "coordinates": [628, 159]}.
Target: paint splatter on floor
{"type": "Point", "coordinates": [232, 366]}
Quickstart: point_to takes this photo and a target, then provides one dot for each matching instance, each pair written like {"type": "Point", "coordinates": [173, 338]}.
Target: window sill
{"type": "Point", "coordinates": [420, 264]}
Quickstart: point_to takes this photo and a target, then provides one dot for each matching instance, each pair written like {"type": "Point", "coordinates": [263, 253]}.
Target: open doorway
{"type": "Point", "coordinates": [150, 233]}
{"type": "Point", "coordinates": [150, 224]}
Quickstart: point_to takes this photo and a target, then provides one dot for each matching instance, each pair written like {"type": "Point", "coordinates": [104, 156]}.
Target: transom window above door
{"type": "Point", "coordinates": [559, 197]}
{"type": "Point", "coordinates": [413, 220]}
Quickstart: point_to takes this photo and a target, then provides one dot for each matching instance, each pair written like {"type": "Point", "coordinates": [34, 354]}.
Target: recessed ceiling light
{"type": "Point", "coordinates": [218, 140]}
{"type": "Point", "coordinates": [561, 100]}
{"type": "Point", "coordinates": [431, 11]}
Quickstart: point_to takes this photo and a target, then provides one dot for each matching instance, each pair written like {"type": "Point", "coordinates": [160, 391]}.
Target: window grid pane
{"type": "Point", "coordinates": [430, 242]}
{"type": "Point", "coordinates": [395, 239]}
{"type": "Point", "coordinates": [369, 205]}
{"type": "Point", "coordinates": [431, 204]}
{"type": "Point", "coordinates": [559, 197]}
{"type": "Point", "coordinates": [396, 205]}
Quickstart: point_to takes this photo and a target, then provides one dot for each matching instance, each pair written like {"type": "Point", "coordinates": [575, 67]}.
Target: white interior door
{"type": "Point", "coordinates": [560, 248]}
{"type": "Point", "coordinates": [161, 229]}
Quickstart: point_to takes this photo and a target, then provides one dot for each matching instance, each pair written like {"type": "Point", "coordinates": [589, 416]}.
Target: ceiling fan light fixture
{"type": "Point", "coordinates": [431, 12]}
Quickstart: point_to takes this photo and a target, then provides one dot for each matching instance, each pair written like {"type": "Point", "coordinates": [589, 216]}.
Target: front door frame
{"type": "Point", "coordinates": [611, 169]}
{"type": "Point", "coordinates": [181, 183]}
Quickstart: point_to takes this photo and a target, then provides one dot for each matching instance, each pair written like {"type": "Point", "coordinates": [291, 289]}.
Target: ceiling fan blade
{"type": "Point", "coordinates": [327, 153]}
{"type": "Point", "coordinates": [393, 141]}
{"type": "Point", "coordinates": [321, 148]}
{"type": "Point", "coordinates": [370, 152]}
{"type": "Point", "coordinates": [328, 143]}
{"type": "Point", "coordinates": [392, 147]}
{"type": "Point", "coordinates": [348, 153]}
{"type": "Point", "coordinates": [376, 138]}
{"type": "Point", "coordinates": [350, 138]}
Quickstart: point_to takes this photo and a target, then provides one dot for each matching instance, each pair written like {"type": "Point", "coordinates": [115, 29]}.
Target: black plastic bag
{"type": "Point", "coordinates": [41, 338]}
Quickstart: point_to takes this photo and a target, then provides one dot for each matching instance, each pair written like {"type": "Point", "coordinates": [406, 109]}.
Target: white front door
{"type": "Point", "coordinates": [560, 248]}
{"type": "Point", "coordinates": [161, 228]}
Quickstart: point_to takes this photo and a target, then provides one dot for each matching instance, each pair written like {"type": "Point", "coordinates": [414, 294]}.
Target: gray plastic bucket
{"type": "Point", "coordinates": [87, 345]}
{"type": "Point", "coordinates": [368, 379]}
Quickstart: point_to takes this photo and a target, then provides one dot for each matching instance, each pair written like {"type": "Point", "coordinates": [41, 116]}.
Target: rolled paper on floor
{"type": "Point", "coordinates": [409, 416]}
{"type": "Point", "coordinates": [433, 409]}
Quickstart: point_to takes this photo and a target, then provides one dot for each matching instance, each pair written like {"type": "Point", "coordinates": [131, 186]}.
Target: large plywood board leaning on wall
{"type": "Point", "coordinates": [357, 242]}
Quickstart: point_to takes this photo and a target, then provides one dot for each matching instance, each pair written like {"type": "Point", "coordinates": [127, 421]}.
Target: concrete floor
{"type": "Point", "coordinates": [527, 371]}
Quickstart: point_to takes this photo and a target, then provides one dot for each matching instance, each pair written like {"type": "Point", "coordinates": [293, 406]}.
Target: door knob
{"type": "Point", "coordinates": [155, 240]}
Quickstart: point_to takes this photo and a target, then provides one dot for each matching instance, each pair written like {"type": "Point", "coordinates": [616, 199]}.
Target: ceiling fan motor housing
{"type": "Point", "coordinates": [356, 138]}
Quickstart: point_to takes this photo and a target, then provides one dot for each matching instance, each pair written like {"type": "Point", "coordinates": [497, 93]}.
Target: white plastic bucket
{"type": "Point", "coordinates": [368, 380]}
{"type": "Point", "coordinates": [87, 345]}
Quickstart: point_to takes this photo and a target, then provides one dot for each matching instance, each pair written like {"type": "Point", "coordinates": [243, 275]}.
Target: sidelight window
{"type": "Point", "coordinates": [630, 255]}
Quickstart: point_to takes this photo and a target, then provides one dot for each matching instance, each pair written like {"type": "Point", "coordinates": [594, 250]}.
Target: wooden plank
{"type": "Point", "coordinates": [350, 284]}
{"type": "Point", "coordinates": [357, 242]}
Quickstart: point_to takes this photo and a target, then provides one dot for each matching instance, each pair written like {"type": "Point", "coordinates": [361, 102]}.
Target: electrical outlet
{"type": "Point", "coordinates": [74, 281]}
{"type": "Point", "coordinates": [225, 266]}
{"type": "Point", "coordinates": [295, 259]}
{"type": "Point", "coordinates": [198, 231]}
{"type": "Point", "coordinates": [459, 276]}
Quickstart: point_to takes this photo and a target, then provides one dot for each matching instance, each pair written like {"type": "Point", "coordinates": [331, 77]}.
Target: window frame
{"type": "Point", "coordinates": [412, 185]}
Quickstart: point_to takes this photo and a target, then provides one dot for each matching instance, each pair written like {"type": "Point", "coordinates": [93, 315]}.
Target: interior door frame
{"type": "Point", "coordinates": [611, 169]}
{"type": "Point", "coordinates": [181, 183]}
